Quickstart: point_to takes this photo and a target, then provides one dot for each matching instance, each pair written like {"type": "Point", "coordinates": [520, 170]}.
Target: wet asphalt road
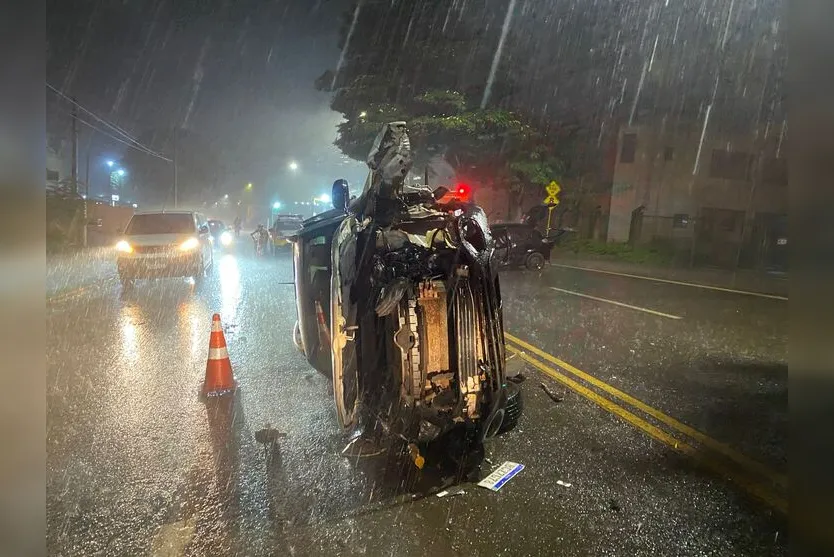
{"type": "Point", "coordinates": [138, 464]}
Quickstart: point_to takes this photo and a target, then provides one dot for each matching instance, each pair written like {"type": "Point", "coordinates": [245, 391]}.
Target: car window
{"type": "Point", "coordinates": [501, 238]}
{"type": "Point", "coordinates": [535, 236]}
{"type": "Point", "coordinates": [161, 223]}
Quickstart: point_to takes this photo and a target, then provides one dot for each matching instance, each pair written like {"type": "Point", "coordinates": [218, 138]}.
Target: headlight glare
{"type": "Point", "coordinates": [124, 247]}
{"type": "Point", "coordinates": [190, 244]}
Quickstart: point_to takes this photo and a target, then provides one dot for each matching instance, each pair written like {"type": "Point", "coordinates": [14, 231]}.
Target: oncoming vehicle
{"type": "Point", "coordinates": [164, 244]}
{"type": "Point", "coordinates": [283, 228]}
{"type": "Point", "coordinates": [399, 302]}
{"type": "Point", "coordinates": [221, 234]}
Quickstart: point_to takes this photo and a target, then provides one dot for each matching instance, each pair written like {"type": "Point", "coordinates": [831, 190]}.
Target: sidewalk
{"type": "Point", "coordinates": [752, 281]}
{"type": "Point", "coordinates": [66, 272]}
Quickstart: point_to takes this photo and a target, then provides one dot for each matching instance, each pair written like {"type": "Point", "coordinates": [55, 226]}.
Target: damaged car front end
{"type": "Point", "coordinates": [414, 327]}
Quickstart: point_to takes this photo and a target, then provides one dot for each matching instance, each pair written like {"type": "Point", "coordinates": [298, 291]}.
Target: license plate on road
{"type": "Point", "coordinates": [501, 475]}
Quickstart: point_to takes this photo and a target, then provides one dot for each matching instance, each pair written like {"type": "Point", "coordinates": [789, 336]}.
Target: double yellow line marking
{"type": "Point", "coordinates": [724, 460]}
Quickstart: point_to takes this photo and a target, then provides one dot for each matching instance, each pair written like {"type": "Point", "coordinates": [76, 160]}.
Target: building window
{"type": "Point", "coordinates": [730, 165]}
{"type": "Point", "coordinates": [680, 220]}
{"type": "Point", "coordinates": [52, 175]}
{"type": "Point", "coordinates": [668, 153]}
{"type": "Point", "coordinates": [628, 148]}
{"type": "Point", "coordinates": [729, 221]}
{"type": "Point", "coordinates": [775, 171]}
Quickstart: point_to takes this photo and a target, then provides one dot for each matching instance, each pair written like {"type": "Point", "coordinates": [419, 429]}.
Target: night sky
{"type": "Point", "coordinates": [239, 73]}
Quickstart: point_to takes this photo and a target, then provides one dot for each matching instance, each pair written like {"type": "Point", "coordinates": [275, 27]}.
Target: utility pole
{"type": "Point", "coordinates": [174, 159]}
{"type": "Point", "coordinates": [86, 195]}
{"type": "Point", "coordinates": [74, 168]}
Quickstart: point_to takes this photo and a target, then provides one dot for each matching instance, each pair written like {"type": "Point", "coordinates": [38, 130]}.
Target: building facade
{"type": "Point", "coordinates": [716, 197]}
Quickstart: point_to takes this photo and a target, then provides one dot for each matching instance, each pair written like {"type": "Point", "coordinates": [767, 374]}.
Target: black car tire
{"type": "Point", "coordinates": [513, 408]}
{"type": "Point", "coordinates": [535, 261]}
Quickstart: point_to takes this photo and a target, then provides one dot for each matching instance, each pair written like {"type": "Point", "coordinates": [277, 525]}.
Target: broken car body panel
{"type": "Point", "coordinates": [415, 327]}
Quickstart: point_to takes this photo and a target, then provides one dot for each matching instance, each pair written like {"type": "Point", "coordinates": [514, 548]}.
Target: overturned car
{"type": "Point", "coordinates": [399, 302]}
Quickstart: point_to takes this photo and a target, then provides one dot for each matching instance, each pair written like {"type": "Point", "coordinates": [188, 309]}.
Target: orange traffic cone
{"type": "Point", "coordinates": [219, 376]}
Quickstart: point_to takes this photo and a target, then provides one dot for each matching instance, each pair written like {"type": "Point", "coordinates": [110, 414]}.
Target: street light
{"type": "Point", "coordinates": [324, 198]}
{"type": "Point", "coordinates": [276, 205]}
{"type": "Point", "coordinates": [226, 196]}
{"type": "Point", "coordinates": [120, 172]}
{"type": "Point", "coordinates": [363, 114]}
{"type": "Point", "coordinates": [110, 164]}
{"type": "Point", "coordinates": [293, 165]}
{"type": "Point", "coordinates": [249, 186]}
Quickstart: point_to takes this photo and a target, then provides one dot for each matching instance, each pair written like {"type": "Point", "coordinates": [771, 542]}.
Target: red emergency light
{"type": "Point", "coordinates": [462, 190]}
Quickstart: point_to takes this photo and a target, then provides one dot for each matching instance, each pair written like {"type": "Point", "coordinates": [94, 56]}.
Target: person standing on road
{"type": "Point", "coordinates": [261, 237]}
{"type": "Point", "coordinates": [237, 226]}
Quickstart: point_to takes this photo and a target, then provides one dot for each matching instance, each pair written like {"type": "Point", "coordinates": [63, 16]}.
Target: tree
{"type": "Point", "coordinates": [429, 63]}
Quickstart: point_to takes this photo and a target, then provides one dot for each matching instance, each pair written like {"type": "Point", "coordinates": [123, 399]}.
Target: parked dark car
{"type": "Point", "coordinates": [398, 302]}
{"type": "Point", "coordinates": [518, 244]}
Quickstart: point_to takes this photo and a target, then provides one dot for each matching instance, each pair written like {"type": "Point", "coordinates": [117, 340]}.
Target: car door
{"type": "Point", "coordinates": [516, 237]}
{"type": "Point", "coordinates": [312, 267]}
{"type": "Point", "coordinates": [502, 244]}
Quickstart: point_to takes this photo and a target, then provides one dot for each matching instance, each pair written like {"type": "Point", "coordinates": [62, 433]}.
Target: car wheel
{"type": "Point", "coordinates": [513, 408]}
{"type": "Point", "coordinates": [534, 261]}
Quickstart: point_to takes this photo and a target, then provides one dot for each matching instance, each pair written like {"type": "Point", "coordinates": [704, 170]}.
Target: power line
{"type": "Point", "coordinates": [114, 127]}
{"type": "Point", "coordinates": [139, 148]}
{"type": "Point", "coordinates": [100, 119]}
{"type": "Point", "coordinates": [113, 137]}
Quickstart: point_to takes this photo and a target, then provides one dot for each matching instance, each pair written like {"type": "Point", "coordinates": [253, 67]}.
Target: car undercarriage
{"type": "Point", "coordinates": [416, 322]}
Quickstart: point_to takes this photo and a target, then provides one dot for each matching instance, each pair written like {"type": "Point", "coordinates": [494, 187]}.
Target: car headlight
{"type": "Point", "coordinates": [124, 247]}
{"type": "Point", "coordinates": [190, 244]}
{"type": "Point", "coordinates": [226, 238]}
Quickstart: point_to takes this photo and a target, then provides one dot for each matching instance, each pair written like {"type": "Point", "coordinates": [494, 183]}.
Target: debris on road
{"type": "Point", "coordinates": [518, 378]}
{"type": "Point", "coordinates": [451, 492]}
{"type": "Point", "coordinates": [563, 484]}
{"type": "Point", "coordinates": [553, 396]}
{"type": "Point", "coordinates": [614, 505]}
{"type": "Point", "coordinates": [513, 366]}
{"type": "Point", "coordinates": [501, 475]}
{"type": "Point", "coordinates": [362, 447]}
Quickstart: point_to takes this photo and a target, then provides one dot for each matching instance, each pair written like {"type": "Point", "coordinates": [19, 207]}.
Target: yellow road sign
{"type": "Point", "coordinates": [553, 190]}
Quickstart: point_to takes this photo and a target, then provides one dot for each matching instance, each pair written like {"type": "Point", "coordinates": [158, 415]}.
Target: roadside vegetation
{"type": "Point", "coordinates": [653, 254]}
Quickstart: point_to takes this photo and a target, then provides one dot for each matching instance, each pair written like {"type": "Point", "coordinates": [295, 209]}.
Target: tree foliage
{"type": "Point", "coordinates": [428, 63]}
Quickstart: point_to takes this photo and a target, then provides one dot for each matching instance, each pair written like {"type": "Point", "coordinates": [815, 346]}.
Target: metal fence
{"type": "Point", "coordinates": [715, 238]}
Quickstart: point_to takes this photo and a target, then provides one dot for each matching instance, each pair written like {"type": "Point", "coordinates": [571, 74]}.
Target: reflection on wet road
{"type": "Point", "coordinates": [138, 464]}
